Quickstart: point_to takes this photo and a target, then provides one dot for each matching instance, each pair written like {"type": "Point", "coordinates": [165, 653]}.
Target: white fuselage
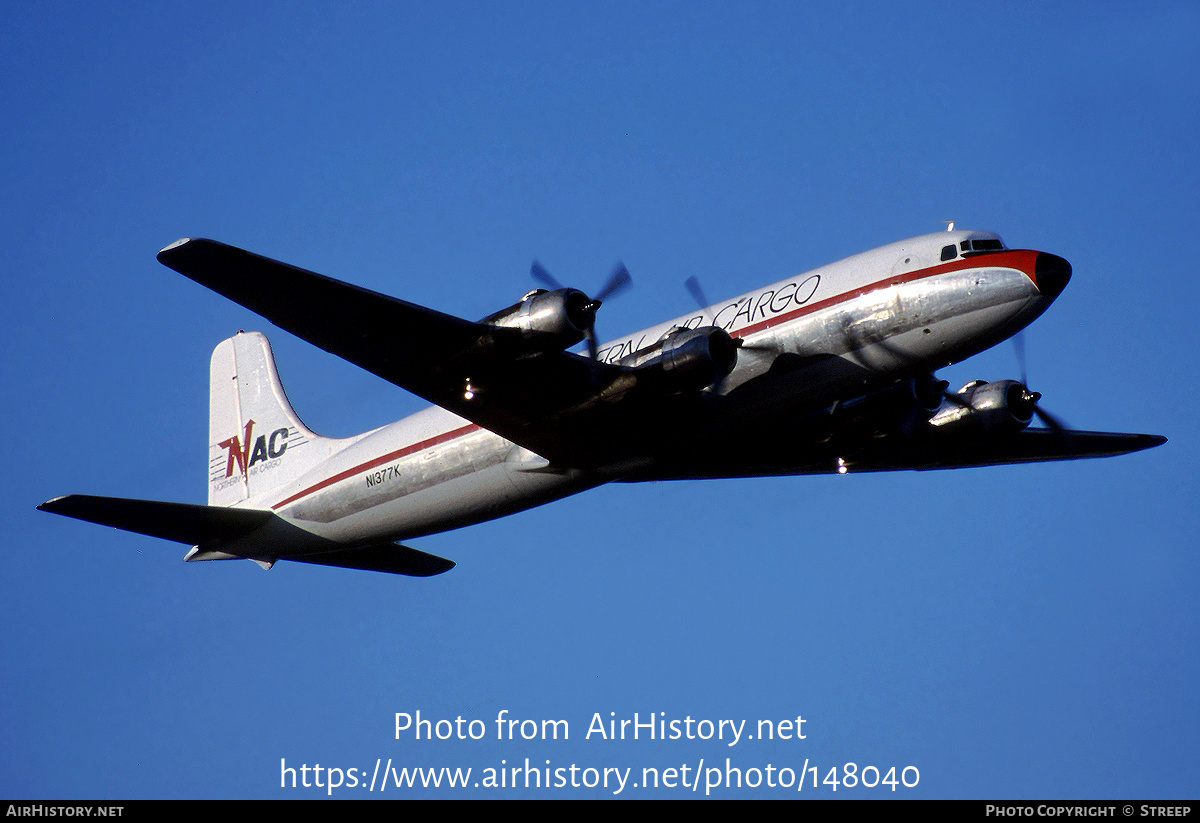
{"type": "Point", "coordinates": [896, 311]}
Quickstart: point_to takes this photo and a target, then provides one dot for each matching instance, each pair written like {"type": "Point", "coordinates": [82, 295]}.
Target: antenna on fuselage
{"type": "Point", "coordinates": [949, 225]}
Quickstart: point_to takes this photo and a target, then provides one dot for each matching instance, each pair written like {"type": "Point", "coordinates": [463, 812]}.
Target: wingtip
{"type": "Point", "coordinates": [52, 505]}
{"type": "Point", "coordinates": [1142, 442]}
{"type": "Point", "coordinates": [181, 241]}
{"type": "Point", "coordinates": [172, 250]}
{"type": "Point", "coordinates": [1148, 441]}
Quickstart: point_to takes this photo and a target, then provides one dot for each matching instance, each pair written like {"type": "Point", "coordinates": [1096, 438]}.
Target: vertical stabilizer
{"type": "Point", "coordinates": [256, 443]}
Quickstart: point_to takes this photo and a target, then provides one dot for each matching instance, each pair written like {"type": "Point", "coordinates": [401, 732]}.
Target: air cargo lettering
{"type": "Point", "coordinates": [265, 448]}
{"type": "Point", "coordinates": [767, 305]}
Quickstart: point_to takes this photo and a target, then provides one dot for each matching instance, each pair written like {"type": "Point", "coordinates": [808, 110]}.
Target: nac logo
{"type": "Point", "coordinates": [239, 450]}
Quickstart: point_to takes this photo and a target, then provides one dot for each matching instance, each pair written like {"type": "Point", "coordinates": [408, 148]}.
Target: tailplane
{"type": "Point", "coordinates": [222, 533]}
{"type": "Point", "coordinates": [256, 443]}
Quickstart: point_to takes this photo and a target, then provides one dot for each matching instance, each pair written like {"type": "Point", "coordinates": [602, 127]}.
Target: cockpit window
{"type": "Point", "coordinates": [949, 252]}
{"type": "Point", "coordinates": [981, 246]}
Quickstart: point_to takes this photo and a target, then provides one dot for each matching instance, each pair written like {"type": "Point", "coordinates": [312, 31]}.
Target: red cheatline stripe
{"type": "Point", "coordinates": [1022, 261]}
{"type": "Point", "coordinates": [370, 464]}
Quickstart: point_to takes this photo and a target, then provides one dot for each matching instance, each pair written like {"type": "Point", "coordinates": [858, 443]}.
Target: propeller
{"type": "Point", "coordinates": [1049, 420]}
{"type": "Point", "coordinates": [1028, 401]}
{"type": "Point", "coordinates": [616, 283]}
{"type": "Point", "coordinates": [692, 284]}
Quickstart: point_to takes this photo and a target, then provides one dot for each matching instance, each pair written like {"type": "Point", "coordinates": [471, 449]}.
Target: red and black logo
{"type": "Point", "coordinates": [240, 452]}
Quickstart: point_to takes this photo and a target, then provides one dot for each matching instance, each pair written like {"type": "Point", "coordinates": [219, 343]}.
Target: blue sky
{"type": "Point", "coordinates": [1010, 632]}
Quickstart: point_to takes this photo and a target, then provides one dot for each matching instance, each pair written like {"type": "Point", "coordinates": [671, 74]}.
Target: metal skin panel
{"type": "Point", "coordinates": [519, 431]}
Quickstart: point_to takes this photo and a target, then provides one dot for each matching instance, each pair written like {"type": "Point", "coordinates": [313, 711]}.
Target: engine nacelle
{"type": "Point", "coordinates": [686, 359]}
{"type": "Point", "coordinates": [547, 320]}
{"type": "Point", "coordinates": [986, 408]}
{"type": "Point", "coordinates": [903, 407]}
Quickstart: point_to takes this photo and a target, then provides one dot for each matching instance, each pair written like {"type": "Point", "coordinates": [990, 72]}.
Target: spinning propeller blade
{"type": "Point", "coordinates": [616, 283]}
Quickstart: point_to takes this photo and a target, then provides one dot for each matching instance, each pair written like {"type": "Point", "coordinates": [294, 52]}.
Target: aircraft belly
{"type": "Point", "coordinates": [456, 501]}
{"type": "Point", "coordinates": [467, 480]}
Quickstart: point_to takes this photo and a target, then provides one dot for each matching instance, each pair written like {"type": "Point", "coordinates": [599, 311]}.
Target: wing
{"type": "Point", "coordinates": [898, 454]}
{"type": "Point", "coordinates": [434, 355]}
{"type": "Point", "coordinates": [1027, 446]}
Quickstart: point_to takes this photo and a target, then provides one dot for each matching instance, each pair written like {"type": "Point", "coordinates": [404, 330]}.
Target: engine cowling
{"type": "Point", "coordinates": [903, 407]}
{"type": "Point", "coordinates": [987, 408]}
{"type": "Point", "coordinates": [547, 320]}
{"type": "Point", "coordinates": [686, 359]}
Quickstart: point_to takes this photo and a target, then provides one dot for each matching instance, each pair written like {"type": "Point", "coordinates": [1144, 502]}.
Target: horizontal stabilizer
{"type": "Point", "coordinates": [214, 527]}
{"type": "Point", "coordinates": [386, 557]}
{"type": "Point", "coordinates": [188, 523]}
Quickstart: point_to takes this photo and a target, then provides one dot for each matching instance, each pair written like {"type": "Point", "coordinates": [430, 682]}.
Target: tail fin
{"type": "Point", "coordinates": [256, 443]}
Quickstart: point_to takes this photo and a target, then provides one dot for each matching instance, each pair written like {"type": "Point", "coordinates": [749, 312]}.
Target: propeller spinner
{"type": "Point", "coordinates": [617, 282]}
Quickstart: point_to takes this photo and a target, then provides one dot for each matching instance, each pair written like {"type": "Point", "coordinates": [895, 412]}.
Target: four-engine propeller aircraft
{"type": "Point", "coordinates": [831, 370]}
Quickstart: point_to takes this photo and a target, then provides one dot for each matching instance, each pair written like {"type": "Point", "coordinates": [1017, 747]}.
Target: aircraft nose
{"type": "Point", "coordinates": [1051, 273]}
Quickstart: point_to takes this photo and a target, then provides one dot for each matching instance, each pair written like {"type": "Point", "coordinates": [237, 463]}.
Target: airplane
{"type": "Point", "coordinates": [827, 372]}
